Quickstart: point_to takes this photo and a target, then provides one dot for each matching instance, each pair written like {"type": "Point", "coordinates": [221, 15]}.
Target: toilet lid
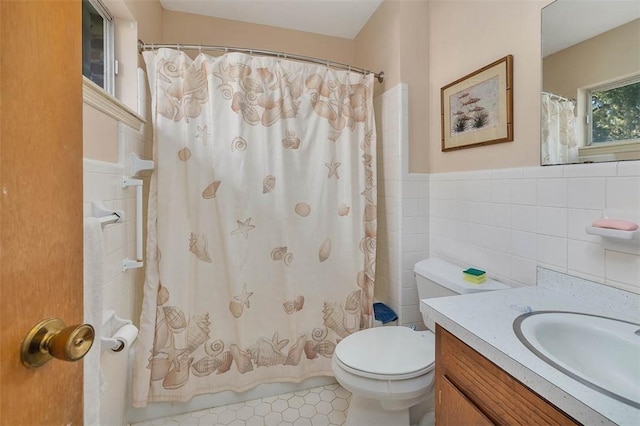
{"type": "Point", "coordinates": [388, 351]}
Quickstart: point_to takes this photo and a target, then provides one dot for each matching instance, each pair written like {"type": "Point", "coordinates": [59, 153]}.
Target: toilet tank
{"type": "Point", "coordinates": [437, 278]}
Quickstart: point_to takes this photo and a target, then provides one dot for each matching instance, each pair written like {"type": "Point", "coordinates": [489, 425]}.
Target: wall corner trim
{"type": "Point", "coordinates": [95, 96]}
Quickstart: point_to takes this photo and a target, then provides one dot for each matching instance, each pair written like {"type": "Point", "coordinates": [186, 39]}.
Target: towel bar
{"type": "Point", "coordinates": [106, 216]}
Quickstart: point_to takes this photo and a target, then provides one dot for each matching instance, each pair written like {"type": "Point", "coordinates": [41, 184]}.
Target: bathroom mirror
{"type": "Point", "coordinates": [590, 101]}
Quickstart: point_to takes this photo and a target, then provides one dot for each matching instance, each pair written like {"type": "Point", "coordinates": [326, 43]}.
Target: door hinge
{"type": "Point", "coordinates": [439, 397]}
{"type": "Point", "coordinates": [115, 67]}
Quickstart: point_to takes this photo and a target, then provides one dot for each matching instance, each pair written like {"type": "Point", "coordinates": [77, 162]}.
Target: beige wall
{"type": "Point", "coordinates": [99, 135]}
{"type": "Point", "coordinates": [429, 44]}
{"type": "Point", "coordinates": [590, 62]}
{"type": "Point", "coordinates": [376, 46]}
{"type": "Point", "coordinates": [180, 27]}
{"type": "Point", "coordinates": [148, 14]}
{"type": "Point", "coordinates": [394, 40]}
{"type": "Point", "coordinates": [425, 44]}
{"type": "Point", "coordinates": [467, 35]}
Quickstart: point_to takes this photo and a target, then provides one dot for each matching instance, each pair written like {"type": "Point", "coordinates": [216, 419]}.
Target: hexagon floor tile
{"type": "Point", "coordinates": [325, 405]}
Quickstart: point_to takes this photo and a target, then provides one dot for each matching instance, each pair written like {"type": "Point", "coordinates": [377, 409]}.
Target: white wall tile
{"type": "Point", "coordinates": [622, 267]}
{"type": "Point", "coordinates": [500, 215]}
{"type": "Point", "coordinates": [552, 250]}
{"type": "Point", "coordinates": [542, 222]}
{"type": "Point", "coordinates": [523, 244]}
{"type": "Point", "coordinates": [590, 170]}
{"type": "Point", "coordinates": [478, 213]}
{"type": "Point", "coordinates": [551, 221]}
{"type": "Point", "coordinates": [524, 191]}
{"type": "Point", "coordinates": [409, 259]}
{"type": "Point", "coordinates": [514, 173]}
{"type": "Point", "coordinates": [500, 191]}
{"type": "Point", "coordinates": [411, 189]}
{"type": "Point", "coordinates": [552, 192]}
{"type": "Point", "coordinates": [414, 225]}
{"type": "Point", "coordinates": [543, 172]}
{"type": "Point", "coordinates": [578, 220]}
{"type": "Point", "coordinates": [411, 242]}
{"type": "Point", "coordinates": [586, 257]}
{"type": "Point", "coordinates": [523, 270]}
{"type": "Point", "coordinates": [411, 314]}
{"type": "Point", "coordinates": [524, 218]}
{"type": "Point", "coordinates": [623, 193]}
{"type": "Point", "coordinates": [499, 263]}
{"type": "Point", "coordinates": [410, 207]}
{"type": "Point", "coordinates": [587, 193]}
{"type": "Point", "coordinates": [498, 239]}
{"type": "Point", "coordinates": [410, 296]}
{"type": "Point", "coordinates": [629, 168]}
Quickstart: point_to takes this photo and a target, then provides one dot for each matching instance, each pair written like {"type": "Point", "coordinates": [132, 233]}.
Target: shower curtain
{"type": "Point", "coordinates": [558, 130]}
{"type": "Point", "coordinates": [261, 222]}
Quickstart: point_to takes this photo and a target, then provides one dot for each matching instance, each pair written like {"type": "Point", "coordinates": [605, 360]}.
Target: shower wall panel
{"type": "Point", "coordinates": [402, 209]}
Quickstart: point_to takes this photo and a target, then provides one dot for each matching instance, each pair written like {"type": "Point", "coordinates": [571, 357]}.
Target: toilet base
{"type": "Point", "coordinates": [366, 411]}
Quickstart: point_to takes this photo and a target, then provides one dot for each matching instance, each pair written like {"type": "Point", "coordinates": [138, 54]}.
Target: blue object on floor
{"type": "Point", "coordinates": [383, 313]}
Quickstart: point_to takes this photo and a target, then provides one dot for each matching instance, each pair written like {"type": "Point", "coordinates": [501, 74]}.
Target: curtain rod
{"type": "Point", "coordinates": [142, 46]}
{"type": "Point", "coordinates": [562, 98]}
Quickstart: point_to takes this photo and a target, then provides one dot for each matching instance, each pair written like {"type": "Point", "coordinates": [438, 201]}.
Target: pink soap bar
{"type": "Point", "coordinates": [621, 224]}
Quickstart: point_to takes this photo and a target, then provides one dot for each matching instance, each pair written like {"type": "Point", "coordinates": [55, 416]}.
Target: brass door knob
{"type": "Point", "coordinates": [50, 338]}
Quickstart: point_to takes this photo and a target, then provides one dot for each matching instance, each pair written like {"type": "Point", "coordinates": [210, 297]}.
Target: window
{"type": "Point", "coordinates": [614, 114]}
{"type": "Point", "coordinates": [97, 44]}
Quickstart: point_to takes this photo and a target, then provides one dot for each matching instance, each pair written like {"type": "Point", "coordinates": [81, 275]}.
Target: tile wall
{"type": "Point", "coordinates": [402, 209]}
{"type": "Point", "coordinates": [506, 221]}
{"type": "Point", "coordinates": [509, 221]}
{"type": "Point", "coordinates": [121, 290]}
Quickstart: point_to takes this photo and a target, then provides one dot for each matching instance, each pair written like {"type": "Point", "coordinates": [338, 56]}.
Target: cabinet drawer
{"type": "Point", "coordinates": [493, 392]}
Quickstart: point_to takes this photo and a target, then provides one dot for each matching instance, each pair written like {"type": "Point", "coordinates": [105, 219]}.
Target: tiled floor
{"type": "Point", "coordinates": [325, 405]}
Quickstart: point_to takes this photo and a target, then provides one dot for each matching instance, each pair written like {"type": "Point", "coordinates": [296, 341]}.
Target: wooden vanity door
{"type": "Point", "coordinates": [471, 390]}
{"type": "Point", "coordinates": [458, 409]}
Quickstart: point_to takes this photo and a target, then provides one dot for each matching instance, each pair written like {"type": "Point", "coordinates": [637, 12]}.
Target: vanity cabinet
{"type": "Point", "coordinates": [471, 390]}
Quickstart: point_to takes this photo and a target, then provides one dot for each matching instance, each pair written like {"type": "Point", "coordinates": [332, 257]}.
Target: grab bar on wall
{"type": "Point", "coordinates": [136, 165]}
{"type": "Point", "coordinates": [137, 263]}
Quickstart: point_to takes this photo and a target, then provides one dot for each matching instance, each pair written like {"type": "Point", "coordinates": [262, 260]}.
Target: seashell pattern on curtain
{"type": "Point", "coordinates": [263, 205]}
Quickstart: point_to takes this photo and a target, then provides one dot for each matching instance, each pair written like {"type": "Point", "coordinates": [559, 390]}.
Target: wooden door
{"type": "Point", "coordinates": [41, 202]}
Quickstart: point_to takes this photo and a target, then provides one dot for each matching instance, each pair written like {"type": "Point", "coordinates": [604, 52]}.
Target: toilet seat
{"type": "Point", "coordinates": [387, 353]}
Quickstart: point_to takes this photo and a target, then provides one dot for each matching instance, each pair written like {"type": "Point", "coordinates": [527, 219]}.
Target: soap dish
{"type": "Point", "coordinates": [611, 233]}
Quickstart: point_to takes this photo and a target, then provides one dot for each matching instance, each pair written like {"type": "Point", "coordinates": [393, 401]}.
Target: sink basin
{"type": "Point", "coordinates": [599, 352]}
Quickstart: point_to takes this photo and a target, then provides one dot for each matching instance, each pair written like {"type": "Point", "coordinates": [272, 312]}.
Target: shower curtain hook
{"type": "Point", "coordinates": [179, 48]}
{"type": "Point", "coordinates": [200, 49]}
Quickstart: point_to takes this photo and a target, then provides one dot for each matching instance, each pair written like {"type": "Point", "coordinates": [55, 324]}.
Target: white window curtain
{"type": "Point", "coordinates": [261, 225]}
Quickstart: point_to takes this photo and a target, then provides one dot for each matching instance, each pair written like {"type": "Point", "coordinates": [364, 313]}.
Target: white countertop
{"type": "Point", "coordinates": [484, 321]}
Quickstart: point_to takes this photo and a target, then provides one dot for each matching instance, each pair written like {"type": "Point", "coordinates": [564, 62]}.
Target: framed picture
{"type": "Point", "coordinates": [478, 108]}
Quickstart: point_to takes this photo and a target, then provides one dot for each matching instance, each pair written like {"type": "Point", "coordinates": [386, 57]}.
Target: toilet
{"type": "Point", "coordinates": [390, 371]}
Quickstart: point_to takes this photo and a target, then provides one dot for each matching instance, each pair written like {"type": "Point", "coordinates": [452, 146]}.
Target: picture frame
{"type": "Point", "coordinates": [477, 109]}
